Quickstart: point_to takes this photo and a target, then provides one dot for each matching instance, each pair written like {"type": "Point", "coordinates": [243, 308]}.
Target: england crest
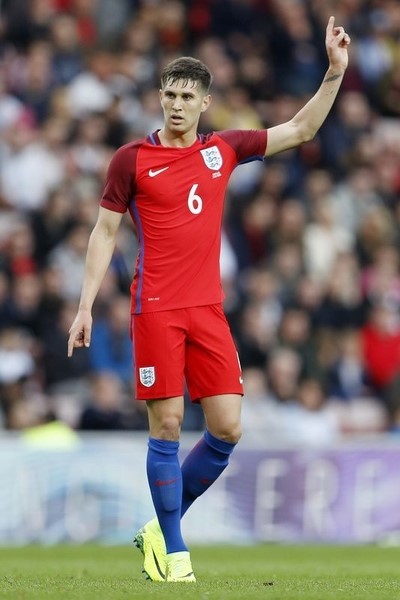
{"type": "Point", "coordinates": [147, 376]}
{"type": "Point", "coordinates": [212, 157]}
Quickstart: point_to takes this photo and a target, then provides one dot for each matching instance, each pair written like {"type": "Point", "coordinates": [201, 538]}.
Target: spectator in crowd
{"type": "Point", "coordinates": [260, 417]}
{"type": "Point", "coordinates": [67, 57]}
{"type": "Point", "coordinates": [381, 279]}
{"type": "Point", "coordinates": [109, 407]}
{"type": "Point", "coordinates": [283, 375]}
{"type": "Point", "coordinates": [342, 305]}
{"type": "Point", "coordinates": [16, 366]}
{"type": "Point", "coordinates": [351, 398]}
{"type": "Point", "coordinates": [290, 223]}
{"type": "Point", "coordinates": [23, 306]}
{"type": "Point", "coordinates": [348, 379]}
{"type": "Point", "coordinates": [259, 318]}
{"type": "Point", "coordinates": [308, 420]}
{"type": "Point", "coordinates": [381, 351]}
{"type": "Point", "coordinates": [352, 120]}
{"type": "Point", "coordinates": [69, 258]}
{"type": "Point", "coordinates": [295, 332]}
{"type": "Point", "coordinates": [19, 255]}
{"type": "Point", "coordinates": [52, 222]}
{"type": "Point", "coordinates": [324, 240]}
{"type": "Point", "coordinates": [111, 349]}
{"type": "Point", "coordinates": [288, 266]}
{"type": "Point", "coordinates": [250, 232]}
{"type": "Point", "coordinates": [60, 374]}
{"type": "Point", "coordinates": [91, 90]}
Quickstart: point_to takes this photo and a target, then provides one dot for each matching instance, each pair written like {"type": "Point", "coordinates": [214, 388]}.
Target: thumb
{"type": "Point", "coordinates": [86, 336]}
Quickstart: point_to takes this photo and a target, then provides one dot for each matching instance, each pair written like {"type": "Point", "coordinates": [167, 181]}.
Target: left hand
{"type": "Point", "coordinates": [336, 43]}
{"type": "Point", "coordinates": [80, 331]}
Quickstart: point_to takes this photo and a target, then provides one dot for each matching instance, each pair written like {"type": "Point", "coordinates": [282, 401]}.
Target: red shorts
{"type": "Point", "coordinates": [193, 344]}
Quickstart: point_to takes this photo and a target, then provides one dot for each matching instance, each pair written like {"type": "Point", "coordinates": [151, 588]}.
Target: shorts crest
{"type": "Point", "coordinates": [147, 376]}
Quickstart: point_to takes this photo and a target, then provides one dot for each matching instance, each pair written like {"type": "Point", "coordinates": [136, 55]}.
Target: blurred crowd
{"type": "Point", "coordinates": [310, 255]}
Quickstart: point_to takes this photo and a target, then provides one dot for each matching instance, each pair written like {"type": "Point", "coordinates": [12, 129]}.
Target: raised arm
{"type": "Point", "coordinates": [98, 257]}
{"type": "Point", "coordinates": [309, 119]}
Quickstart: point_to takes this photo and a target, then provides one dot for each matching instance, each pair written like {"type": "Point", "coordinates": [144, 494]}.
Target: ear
{"type": "Point", "coordinates": [206, 102]}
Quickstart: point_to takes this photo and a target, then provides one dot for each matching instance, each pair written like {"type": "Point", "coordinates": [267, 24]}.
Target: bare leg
{"type": "Point", "coordinates": [222, 415]}
{"type": "Point", "coordinates": [163, 468]}
{"type": "Point", "coordinates": [210, 457]}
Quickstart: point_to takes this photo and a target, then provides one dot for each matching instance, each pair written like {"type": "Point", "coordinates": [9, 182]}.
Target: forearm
{"type": "Point", "coordinates": [310, 118]}
{"type": "Point", "coordinates": [305, 124]}
{"type": "Point", "coordinates": [98, 258]}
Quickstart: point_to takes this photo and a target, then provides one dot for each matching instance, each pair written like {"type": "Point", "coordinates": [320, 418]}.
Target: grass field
{"type": "Point", "coordinates": [264, 571]}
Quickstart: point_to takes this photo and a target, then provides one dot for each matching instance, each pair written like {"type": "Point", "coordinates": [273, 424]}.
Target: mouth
{"type": "Point", "coordinates": [176, 119]}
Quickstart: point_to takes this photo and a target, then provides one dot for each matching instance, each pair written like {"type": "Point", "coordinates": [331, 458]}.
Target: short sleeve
{"type": "Point", "coordinates": [119, 188]}
{"type": "Point", "coordinates": [248, 144]}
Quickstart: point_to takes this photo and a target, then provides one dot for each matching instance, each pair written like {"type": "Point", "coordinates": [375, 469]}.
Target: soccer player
{"type": "Point", "coordinates": [173, 184]}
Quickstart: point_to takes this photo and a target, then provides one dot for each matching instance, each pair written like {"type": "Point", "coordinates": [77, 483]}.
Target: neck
{"type": "Point", "coordinates": [177, 140]}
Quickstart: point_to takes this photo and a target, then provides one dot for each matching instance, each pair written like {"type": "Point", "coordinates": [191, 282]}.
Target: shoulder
{"type": "Point", "coordinates": [235, 137]}
{"type": "Point", "coordinates": [232, 138]}
{"type": "Point", "coordinates": [130, 148]}
{"type": "Point", "coordinates": [124, 158]}
{"type": "Point", "coordinates": [248, 144]}
{"type": "Point", "coordinates": [121, 174]}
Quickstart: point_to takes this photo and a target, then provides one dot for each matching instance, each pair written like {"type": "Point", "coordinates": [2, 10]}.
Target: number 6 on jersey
{"type": "Point", "coordinates": [195, 203]}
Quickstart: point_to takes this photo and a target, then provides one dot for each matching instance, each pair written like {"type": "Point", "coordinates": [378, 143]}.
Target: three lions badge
{"type": "Point", "coordinates": [212, 157]}
{"type": "Point", "coordinates": [147, 376]}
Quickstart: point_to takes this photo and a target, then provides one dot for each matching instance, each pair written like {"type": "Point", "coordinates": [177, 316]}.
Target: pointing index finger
{"type": "Point", "coordinates": [331, 23]}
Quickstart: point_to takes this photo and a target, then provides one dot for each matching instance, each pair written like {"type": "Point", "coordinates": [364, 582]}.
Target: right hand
{"type": "Point", "coordinates": [337, 42]}
{"type": "Point", "coordinates": [80, 332]}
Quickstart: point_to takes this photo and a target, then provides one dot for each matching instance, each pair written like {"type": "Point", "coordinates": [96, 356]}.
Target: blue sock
{"type": "Point", "coordinates": [165, 481]}
{"type": "Point", "coordinates": [202, 466]}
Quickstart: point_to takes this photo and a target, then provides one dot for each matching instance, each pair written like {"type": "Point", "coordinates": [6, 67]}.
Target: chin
{"type": "Point", "coordinates": [178, 126]}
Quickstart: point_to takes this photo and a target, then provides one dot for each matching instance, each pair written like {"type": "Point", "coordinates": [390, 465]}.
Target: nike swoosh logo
{"type": "Point", "coordinates": [158, 564]}
{"type": "Point", "coordinates": [154, 173]}
{"type": "Point", "coordinates": [161, 482]}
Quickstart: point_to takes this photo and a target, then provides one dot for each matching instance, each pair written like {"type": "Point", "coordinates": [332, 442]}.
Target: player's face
{"type": "Point", "coordinates": [182, 103]}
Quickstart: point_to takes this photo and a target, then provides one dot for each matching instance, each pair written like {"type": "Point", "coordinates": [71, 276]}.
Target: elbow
{"type": "Point", "coordinates": [307, 135]}
{"type": "Point", "coordinates": [104, 231]}
{"type": "Point", "coordinates": [103, 237]}
{"type": "Point", "coordinates": [303, 131]}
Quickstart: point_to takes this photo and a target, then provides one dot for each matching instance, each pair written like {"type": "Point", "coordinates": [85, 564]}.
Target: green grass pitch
{"type": "Point", "coordinates": [263, 571]}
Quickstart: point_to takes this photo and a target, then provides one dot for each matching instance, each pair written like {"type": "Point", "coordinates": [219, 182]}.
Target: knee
{"type": "Point", "coordinates": [230, 434]}
{"type": "Point", "coordinates": [165, 418]}
{"type": "Point", "coordinates": [234, 436]}
{"type": "Point", "coordinates": [167, 428]}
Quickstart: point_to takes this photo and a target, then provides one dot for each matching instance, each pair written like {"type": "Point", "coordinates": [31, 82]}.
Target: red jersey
{"type": "Point", "coordinates": [175, 197]}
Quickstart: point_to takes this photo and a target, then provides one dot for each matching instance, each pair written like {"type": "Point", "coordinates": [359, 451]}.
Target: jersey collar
{"type": "Point", "coordinates": [154, 139]}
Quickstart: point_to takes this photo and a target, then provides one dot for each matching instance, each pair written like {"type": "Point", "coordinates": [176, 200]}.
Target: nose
{"type": "Point", "coordinates": [177, 104]}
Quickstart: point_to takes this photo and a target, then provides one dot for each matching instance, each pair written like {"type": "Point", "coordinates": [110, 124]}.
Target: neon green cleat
{"type": "Point", "coordinates": [150, 541]}
{"type": "Point", "coordinates": [179, 568]}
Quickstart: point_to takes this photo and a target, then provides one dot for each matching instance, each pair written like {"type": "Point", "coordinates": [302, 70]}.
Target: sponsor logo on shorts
{"type": "Point", "coordinates": [147, 376]}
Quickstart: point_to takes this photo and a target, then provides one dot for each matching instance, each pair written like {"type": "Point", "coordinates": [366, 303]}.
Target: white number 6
{"type": "Point", "coordinates": [195, 203]}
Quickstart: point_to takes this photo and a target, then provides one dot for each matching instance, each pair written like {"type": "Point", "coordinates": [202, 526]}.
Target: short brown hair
{"type": "Point", "coordinates": [187, 69]}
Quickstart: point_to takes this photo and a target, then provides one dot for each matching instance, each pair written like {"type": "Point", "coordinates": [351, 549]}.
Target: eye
{"type": "Point", "coordinates": [187, 96]}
